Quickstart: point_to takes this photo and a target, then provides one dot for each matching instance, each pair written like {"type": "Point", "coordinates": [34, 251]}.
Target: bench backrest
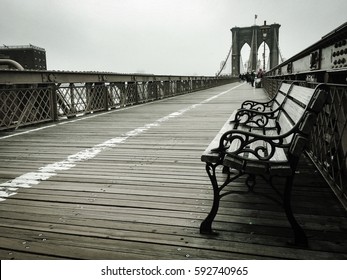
{"type": "Point", "coordinates": [294, 107]}
{"type": "Point", "coordinates": [300, 110]}
{"type": "Point", "coordinates": [281, 95]}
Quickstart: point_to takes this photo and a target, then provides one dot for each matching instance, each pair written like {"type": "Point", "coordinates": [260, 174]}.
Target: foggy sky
{"type": "Point", "coordinates": [169, 37]}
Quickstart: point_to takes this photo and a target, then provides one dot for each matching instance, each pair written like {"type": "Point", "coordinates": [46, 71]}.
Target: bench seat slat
{"type": "Point", "coordinates": [208, 155]}
{"type": "Point", "coordinates": [250, 163]}
{"type": "Point", "coordinates": [278, 165]}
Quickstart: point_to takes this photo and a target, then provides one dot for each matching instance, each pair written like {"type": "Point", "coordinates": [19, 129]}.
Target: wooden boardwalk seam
{"type": "Point", "coordinates": [143, 194]}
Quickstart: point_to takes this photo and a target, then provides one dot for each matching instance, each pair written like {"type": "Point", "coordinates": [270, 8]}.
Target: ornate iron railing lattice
{"type": "Point", "coordinates": [328, 145]}
{"type": "Point", "coordinates": [42, 101]}
{"type": "Point", "coordinates": [329, 141]}
{"type": "Point", "coordinates": [24, 105]}
{"type": "Point", "coordinates": [74, 100]}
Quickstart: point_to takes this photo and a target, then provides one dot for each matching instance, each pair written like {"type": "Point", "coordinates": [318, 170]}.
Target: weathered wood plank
{"type": "Point", "coordinates": [145, 198]}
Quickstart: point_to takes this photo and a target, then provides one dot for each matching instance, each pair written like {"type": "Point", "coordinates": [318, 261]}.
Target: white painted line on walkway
{"type": "Point", "coordinates": [30, 179]}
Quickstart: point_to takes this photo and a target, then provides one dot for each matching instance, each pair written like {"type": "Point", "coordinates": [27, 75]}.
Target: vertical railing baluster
{"type": "Point", "coordinates": [54, 102]}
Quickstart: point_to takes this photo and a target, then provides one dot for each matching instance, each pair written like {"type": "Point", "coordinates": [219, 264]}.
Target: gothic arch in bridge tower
{"type": "Point", "coordinates": [254, 36]}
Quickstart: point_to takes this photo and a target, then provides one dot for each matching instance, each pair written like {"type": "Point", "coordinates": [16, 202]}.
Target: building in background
{"type": "Point", "coordinates": [30, 57]}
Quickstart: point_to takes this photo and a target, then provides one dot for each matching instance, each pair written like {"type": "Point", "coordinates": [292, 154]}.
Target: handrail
{"type": "Point", "coordinates": [44, 96]}
{"type": "Point", "coordinates": [323, 62]}
{"type": "Point", "coordinates": [8, 76]}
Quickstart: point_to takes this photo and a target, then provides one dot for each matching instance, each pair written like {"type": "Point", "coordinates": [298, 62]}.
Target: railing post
{"type": "Point", "coordinates": [89, 98]}
{"type": "Point", "coordinates": [193, 85]}
{"type": "Point", "coordinates": [155, 89]}
{"type": "Point", "coordinates": [121, 90]}
{"type": "Point", "coordinates": [136, 93]}
{"type": "Point", "coordinates": [179, 86]}
{"type": "Point", "coordinates": [54, 102]}
{"type": "Point", "coordinates": [166, 88]}
{"type": "Point", "coordinates": [106, 95]}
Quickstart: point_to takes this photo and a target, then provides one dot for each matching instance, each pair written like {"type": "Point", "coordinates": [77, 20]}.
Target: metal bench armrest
{"type": "Point", "coordinates": [254, 118]}
{"type": "Point", "coordinates": [257, 105]}
{"type": "Point", "coordinates": [246, 142]}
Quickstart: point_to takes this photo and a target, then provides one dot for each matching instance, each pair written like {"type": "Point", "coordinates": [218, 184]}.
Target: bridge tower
{"type": "Point", "coordinates": [254, 36]}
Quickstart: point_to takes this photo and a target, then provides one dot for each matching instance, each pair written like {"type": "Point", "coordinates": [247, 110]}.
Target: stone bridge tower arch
{"type": "Point", "coordinates": [254, 36]}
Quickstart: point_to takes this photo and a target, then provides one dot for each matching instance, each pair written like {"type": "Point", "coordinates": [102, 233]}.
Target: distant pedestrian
{"type": "Point", "coordinates": [260, 73]}
{"type": "Point", "coordinates": [258, 80]}
{"type": "Point", "coordinates": [248, 77]}
{"type": "Point", "coordinates": [252, 77]}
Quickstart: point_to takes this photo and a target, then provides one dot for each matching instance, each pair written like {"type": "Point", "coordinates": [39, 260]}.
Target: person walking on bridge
{"type": "Point", "coordinates": [252, 77]}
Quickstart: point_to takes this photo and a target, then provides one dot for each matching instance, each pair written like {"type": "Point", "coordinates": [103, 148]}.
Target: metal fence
{"type": "Point", "coordinates": [328, 146]}
{"type": "Point", "coordinates": [24, 104]}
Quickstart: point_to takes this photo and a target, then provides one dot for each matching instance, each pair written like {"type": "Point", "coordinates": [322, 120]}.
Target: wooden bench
{"type": "Point", "coordinates": [268, 148]}
{"type": "Point", "coordinates": [256, 113]}
{"type": "Point", "coordinates": [270, 105]}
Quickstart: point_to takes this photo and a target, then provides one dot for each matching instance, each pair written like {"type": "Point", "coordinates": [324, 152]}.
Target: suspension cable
{"type": "Point", "coordinates": [225, 62]}
{"type": "Point", "coordinates": [278, 46]}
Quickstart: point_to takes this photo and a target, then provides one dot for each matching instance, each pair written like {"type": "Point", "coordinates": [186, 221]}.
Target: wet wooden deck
{"type": "Point", "coordinates": [129, 184]}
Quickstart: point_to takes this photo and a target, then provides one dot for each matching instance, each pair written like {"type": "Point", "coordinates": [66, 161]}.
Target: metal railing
{"type": "Point", "coordinates": [325, 62]}
{"type": "Point", "coordinates": [328, 145]}
{"type": "Point", "coordinates": [26, 98]}
{"type": "Point", "coordinates": [24, 106]}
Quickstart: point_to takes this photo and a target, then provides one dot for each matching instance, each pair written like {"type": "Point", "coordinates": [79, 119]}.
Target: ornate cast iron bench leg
{"type": "Point", "coordinates": [206, 225]}
{"type": "Point", "coordinates": [300, 238]}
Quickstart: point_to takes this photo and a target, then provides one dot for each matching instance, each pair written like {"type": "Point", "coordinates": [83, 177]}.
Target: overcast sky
{"type": "Point", "coordinates": [169, 37]}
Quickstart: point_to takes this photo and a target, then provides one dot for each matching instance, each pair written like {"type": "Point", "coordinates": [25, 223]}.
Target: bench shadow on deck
{"type": "Point", "coordinates": [145, 197]}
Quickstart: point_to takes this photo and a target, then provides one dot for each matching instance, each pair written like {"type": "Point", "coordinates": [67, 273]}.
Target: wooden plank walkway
{"type": "Point", "coordinates": [129, 184]}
